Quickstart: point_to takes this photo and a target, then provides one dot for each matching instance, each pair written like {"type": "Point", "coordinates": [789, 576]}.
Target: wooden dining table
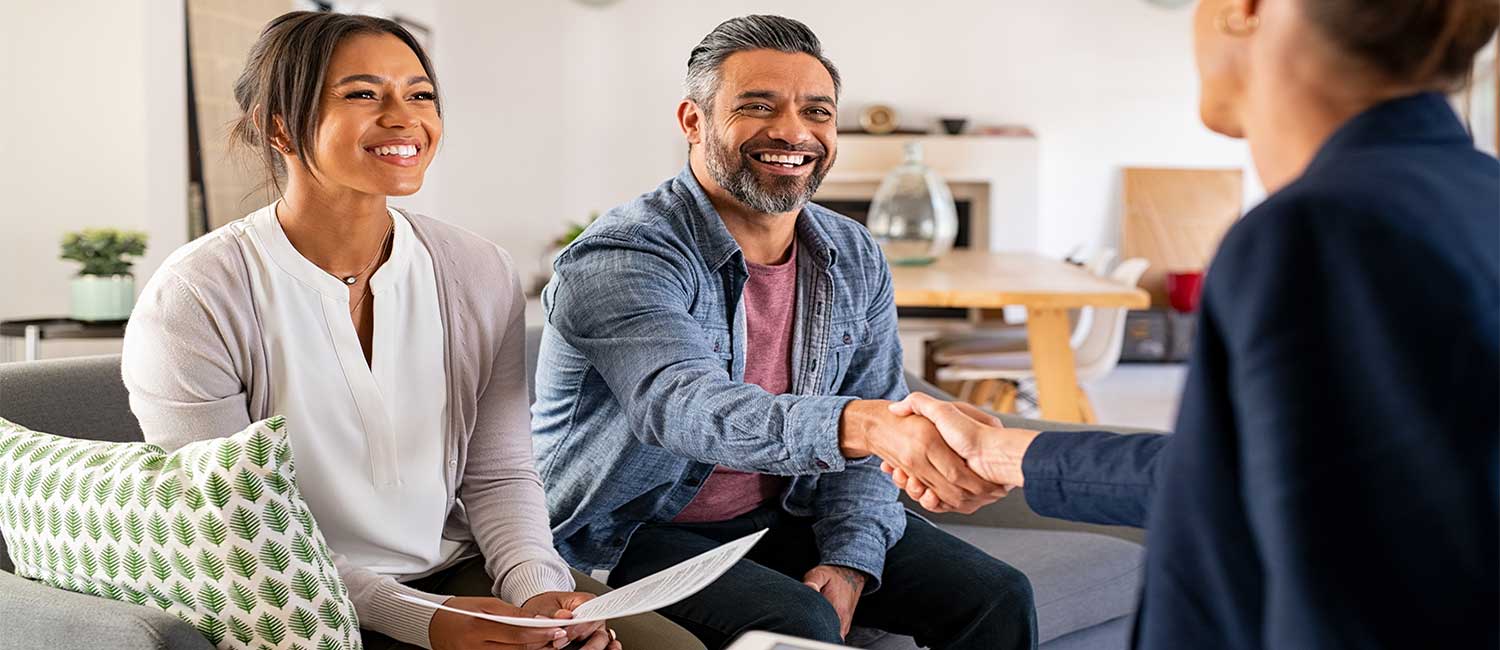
{"type": "Point", "coordinates": [1046, 287]}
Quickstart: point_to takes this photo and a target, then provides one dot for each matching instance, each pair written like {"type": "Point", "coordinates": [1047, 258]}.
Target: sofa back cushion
{"type": "Point", "coordinates": [81, 397]}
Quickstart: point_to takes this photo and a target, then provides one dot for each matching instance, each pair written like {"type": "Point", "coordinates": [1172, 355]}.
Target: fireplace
{"type": "Point", "coordinates": [993, 181]}
{"type": "Point", "coordinates": [859, 210]}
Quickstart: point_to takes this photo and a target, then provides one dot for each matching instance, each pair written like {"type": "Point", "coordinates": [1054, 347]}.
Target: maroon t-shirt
{"type": "Point", "coordinates": [770, 309]}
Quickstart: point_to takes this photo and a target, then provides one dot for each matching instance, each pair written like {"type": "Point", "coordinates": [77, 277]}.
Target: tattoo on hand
{"type": "Point", "coordinates": [852, 578]}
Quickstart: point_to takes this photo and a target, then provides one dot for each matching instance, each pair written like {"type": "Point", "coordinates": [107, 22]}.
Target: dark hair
{"type": "Point", "coordinates": [743, 34]}
{"type": "Point", "coordinates": [283, 77]}
{"type": "Point", "coordinates": [1422, 42]}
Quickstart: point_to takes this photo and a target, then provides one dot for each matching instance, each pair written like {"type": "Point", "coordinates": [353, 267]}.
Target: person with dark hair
{"type": "Point", "coordinates": [402, 379]}
{"type": "Point", "coordinates": [1334, 478]}
{"type": "Point", "coordinates": [718, 359]}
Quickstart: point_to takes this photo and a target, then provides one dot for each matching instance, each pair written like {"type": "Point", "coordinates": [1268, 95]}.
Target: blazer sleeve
{"type": "Point", "coordinates": [1094, 477]}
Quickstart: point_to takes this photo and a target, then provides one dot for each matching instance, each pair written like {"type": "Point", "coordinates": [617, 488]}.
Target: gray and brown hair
{"type": "Point", "coordinates": [741, 35]}
{"type": "Point", "coordinates": [284, 75]}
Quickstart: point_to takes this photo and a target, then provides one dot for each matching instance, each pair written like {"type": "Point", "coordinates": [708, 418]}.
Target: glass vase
{"type": "Point", "coordinates": [913, 216]}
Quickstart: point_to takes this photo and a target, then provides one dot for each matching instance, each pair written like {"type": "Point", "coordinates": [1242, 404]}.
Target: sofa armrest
{"type": "Point", "coordinates": [1012, 511]}
{"type": "Point", "coordinates": [38, 616]}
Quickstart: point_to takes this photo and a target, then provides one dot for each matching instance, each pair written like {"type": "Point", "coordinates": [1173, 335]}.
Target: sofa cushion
{"type": "Point", "coordinates": [80, 397]}
{"type": "Point", "coordinates": [215, 533]}
{"type": "Point", "coordinates": [1086, 586]}
{"type": "Point", "coordinates": [38, 616]}
{"type": "Point", "coordinates": [1079, 579]}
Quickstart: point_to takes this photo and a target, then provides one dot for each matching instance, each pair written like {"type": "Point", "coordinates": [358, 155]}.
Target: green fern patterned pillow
{"type": "Point", "coordinates": [215, 532]}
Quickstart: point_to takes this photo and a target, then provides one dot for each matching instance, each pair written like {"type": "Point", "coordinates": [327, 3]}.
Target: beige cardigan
{"type": "Point", "coordinates": [195, 365]}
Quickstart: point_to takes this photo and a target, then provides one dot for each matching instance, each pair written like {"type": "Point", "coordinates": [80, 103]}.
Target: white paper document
{"type": "Point", "coordinates": [651, 593]}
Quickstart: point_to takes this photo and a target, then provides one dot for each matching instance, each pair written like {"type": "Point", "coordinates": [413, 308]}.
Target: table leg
{"type": "Point", "coordinates": [33, 342]}
{"type": "Point", "coordinates": [7, 349]}
{"type": "Point", "coordinates": [1047, 332]}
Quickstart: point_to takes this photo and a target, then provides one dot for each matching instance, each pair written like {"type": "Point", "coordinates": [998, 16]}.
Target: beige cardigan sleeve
{"type": "Point", "coordinates": [185, 386]}
{"type": "Point", "coordinates": [183, 381]}
{"type": "Point", "coordinates": [500, 488]}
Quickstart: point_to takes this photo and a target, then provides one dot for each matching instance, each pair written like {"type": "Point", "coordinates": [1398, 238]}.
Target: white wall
{"type": "Point", "coordinates": [94, 135]}
{"type": "Point", "coordinates": [556, 109]}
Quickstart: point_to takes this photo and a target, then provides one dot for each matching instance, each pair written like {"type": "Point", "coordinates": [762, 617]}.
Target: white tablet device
{"type": "Point", "coordinates": [769, 641]}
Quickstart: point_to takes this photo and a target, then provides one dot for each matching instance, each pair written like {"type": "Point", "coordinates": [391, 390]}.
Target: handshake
{"type": "Point", "coordinates": [947, 456]}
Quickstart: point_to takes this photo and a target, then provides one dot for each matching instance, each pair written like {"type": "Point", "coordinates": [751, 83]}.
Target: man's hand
{"type": "Point", "coordinates": [453, 631]}
{"type": "Point", "coordinates": [913, 444]}
{"type": "Point", "coordinates": [560, 604]}
{"type": "Point", "coordinates": [992, 452]}
{"type": "Point", "coordinates": [842, 587]}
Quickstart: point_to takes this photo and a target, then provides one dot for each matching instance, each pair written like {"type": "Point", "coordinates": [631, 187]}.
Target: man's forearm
{"type": "Point", "coordinates": [857, 425]}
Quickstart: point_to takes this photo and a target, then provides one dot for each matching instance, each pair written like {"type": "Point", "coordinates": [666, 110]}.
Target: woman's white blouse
{"type": "Point", "coordinates": [368, 439]}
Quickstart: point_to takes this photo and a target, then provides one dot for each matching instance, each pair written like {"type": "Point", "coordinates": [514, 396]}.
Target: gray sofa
{"type": "Point", "coordinates": [1085, 578]}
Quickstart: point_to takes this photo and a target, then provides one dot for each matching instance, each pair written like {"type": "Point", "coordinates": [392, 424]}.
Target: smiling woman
{"type": "Point", "coordinates": [402, 379]}
{"type": "Point", "coordinates": [306, 92]}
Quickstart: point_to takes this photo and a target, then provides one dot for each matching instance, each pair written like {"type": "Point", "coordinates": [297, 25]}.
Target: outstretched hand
{"type": "Point", "coordinates": [914, 444]}
{"type": "Point", "coordinates": [991, 451]}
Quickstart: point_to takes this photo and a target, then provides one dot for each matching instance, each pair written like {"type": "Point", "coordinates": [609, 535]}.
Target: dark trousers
{"type": "Point", "coordinates": [936, 588]}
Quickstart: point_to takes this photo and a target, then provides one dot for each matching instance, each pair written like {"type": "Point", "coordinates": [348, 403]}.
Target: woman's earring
{"type": "Point", "coordinates": [1233, 23]}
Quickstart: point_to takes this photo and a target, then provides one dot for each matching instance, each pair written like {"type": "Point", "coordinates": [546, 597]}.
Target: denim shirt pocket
{"type": "Point", "coordinates": [844, 340]}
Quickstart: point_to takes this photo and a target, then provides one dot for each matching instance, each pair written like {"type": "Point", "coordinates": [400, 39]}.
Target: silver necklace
{"type": "Point", "coordinates": [351, 279]}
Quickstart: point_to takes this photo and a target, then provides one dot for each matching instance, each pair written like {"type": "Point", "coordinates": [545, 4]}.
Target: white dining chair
{"type": "Point", "coordinates": [991, 378]}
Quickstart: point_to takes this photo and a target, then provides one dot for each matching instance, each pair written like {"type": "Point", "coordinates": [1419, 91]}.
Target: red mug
{"type": "Point", "coordinates": [1183, 288]}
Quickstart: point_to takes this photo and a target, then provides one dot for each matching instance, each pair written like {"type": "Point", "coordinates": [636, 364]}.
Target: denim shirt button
{"type": "Point", "coordinates": [848, 339]}
{"type": "Point", "coordinates": [716, 347]}
{"type": "Point", "coordinates": [821, 464]}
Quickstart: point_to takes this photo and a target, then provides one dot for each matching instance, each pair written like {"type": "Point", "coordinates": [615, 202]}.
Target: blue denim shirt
{"type": "Point", "coordinates": [640, 381]}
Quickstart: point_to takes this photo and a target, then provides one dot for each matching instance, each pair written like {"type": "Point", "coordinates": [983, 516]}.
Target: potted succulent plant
{"type": "Point", "coordinates": [104, 289]}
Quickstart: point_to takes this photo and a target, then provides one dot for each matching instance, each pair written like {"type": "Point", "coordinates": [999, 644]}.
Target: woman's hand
{"type": "Point", "coordinates": [560, 604]}
{"type": "Point", "coordinates": [454, 631]}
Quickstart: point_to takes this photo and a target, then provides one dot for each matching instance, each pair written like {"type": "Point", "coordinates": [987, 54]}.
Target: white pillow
{"type": "Point", "coordinates": [215, 532]}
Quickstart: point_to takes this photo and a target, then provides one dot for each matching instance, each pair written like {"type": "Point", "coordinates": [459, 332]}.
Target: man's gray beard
{"type": "Point", "coordinates": [733, 173]}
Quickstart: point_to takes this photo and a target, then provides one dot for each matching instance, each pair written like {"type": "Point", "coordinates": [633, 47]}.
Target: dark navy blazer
{"type": "Point", "coordinates": [1332, 482]}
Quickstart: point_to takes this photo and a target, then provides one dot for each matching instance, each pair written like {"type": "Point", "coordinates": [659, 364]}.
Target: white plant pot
{"type": "Point", "coordinates": [103, 297]}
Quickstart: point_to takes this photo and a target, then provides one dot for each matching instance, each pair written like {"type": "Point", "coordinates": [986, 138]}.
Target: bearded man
{"type": "Point", "coordinates": [718, 359]}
